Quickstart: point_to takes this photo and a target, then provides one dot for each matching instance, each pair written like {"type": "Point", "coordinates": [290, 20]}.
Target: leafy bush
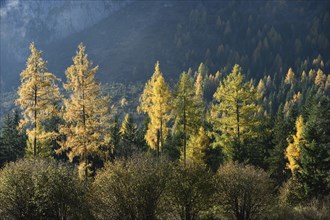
{"type": "Point", "coordinates": [129, 189]}
{"type": "Point", "coordinates": [291, 193]}
{"type": "Point", "coordinates": [244, 192]}
{"type": "Point", "coordinates": [190, 191]}
{"type": "Point", "coordinates": [40, 190]}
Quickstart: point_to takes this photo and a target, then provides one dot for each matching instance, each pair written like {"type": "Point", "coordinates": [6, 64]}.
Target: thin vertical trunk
{"type": "Point", "coordinates": [86, 172]}
{"type": "Point", "coordinates": [184, 133]}
{"type": "Point", "coordinates": [161, 137]}
{"type": "Point", "coordinates": [35, 123]}
{"type": "Point", "coordinates": [158, 140]}
{"type": "Point", "coordinates": [84, 125]}
{"type": "Point", "coordinates": [238, 120]}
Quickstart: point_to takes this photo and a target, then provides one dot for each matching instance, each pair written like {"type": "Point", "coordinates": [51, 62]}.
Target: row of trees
{"type": "Point", "coordinates": [84, 111]}
{"type": "Point", "coordinates": [205, 120]}
{"type": "Point", "coordinates": [239, 121]}
{"type": "Point", "coordinates": [235, 115]}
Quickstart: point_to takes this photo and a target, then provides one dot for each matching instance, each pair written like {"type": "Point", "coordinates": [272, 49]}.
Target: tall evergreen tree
{"type": "Point", "coordinates": [236, 114]}
{"type": "Point", "coordinates": [38, 94]}
{"type": "Point", "coordinates": [12, 142]}
{"type": "Point", "coordinates": [315, 153]}
{"type": "Point", "coordinates": [86, 113]}
{"type": "Point", "coordinates": [277, 161]}
{"type": "Point", "coordinates": [156, 102]}
{"type": "Point", "coordinates": [128, 133]}
{"type": "Point", "coordinates": [202, 69]}
{"type": "Point", "coordinates": [114, 138]}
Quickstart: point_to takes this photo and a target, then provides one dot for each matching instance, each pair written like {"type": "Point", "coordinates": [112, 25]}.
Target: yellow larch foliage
{"type": "Point", "coordinates": [156, 102]}
{"type": "Point", "coordinates": [197, 147]}
{"type": "Point", "coordinates": [320, 78]}
{"type": "Point", "coordinates": [86, 111]}
{"type": "Point", "coordinates": [290, 77]}
{"type": "Point", "coordinates": [292, 152]}
{"type": "Point", "coordinates": [37, 96]}
{"type": "Point", "coordinates": [199, 85]}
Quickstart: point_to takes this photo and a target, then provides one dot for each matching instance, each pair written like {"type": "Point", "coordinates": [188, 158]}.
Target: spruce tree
{"type": "Point", "coordinates": [277, 161]}
{"type": "Point", "coordinates": [12, 141]}
{"type": "Point", "coordinates": [202, 69]}
{"type": "Point", "coordinates": [38, 94]}
{"type": "Point", "coordinates": [86, 113]}
{"type": "Point", "coordinates": [114, 138]}
{"type": "Point", "coordinates": [315, 154]}
{"type": "Point", "coordinates": [128, 133]}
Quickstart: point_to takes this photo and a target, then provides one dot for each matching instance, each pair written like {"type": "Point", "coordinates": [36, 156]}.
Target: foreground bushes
{"type": "Point", "coordinates": [130, 189]}
{"type": "Point", "coordinates": [143, 188]}
{"type": "Point", "coordinates": [244, 191]}
{"type": "Point", "coordinates": [40, 190]}
{"type": "Point", "coordinates": [190, 191]}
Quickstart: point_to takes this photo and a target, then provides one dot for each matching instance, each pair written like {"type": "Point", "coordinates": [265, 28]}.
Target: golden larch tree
{"type": "Point", "coordinates": [236, 112]}
{"type": "Point", "coordinates": [290, 77]}
{"type": "Point", "coordinates": [37, 97]}
{"type": "Point", "coordinates": [197, 147]}
{"type": "Point", "coordinates": [156, 102]}
{"type": "Point", "coordinates": [86, 113]}
{"type": "Point", "coordinates": [292, 152]}
{"type": "Point", "coordinates": [187, 109]}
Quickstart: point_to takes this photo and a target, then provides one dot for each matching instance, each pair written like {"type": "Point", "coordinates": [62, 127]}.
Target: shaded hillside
{"type": "Point", "coordinates": [43, 22]}
{"type": "Point", "coordinates": [268, 38]}
{"type": "Point", "coordinates": [127, 44]}
{"type": "Point", "coordinates": [265, 37]}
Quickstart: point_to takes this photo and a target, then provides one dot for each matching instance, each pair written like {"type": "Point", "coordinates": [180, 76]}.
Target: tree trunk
{"type": "Point", "coordinates": [184, 133]}
{"type": "Point", "coordinates": [158, 140]}
{"type": "Point", "coordinates": [86, 173]}
{"type": "Point", "coordinates": [237, 121]}
{"type": "Point", "coordinates": [35, 123]}
{"type": "Point", "coordinates": [161, 138]}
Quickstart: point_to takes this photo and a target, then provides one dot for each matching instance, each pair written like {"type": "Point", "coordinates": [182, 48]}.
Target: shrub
{"type": "Point", "coordinates": [190, 191]}
{"type": "Point", "coordinates": [40, 190]}
{"type": "Point", "coordinates": [291, 192]}
{"type": "Point", "coordinates": [244, 192]}
{"type": "Point", "coordinates": [129, 189]}
{"type": "Point", "coordinates": [315, 209]}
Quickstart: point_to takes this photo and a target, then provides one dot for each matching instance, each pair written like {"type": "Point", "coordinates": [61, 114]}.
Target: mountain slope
{"type": "Point", "coordinates": [264, 37]}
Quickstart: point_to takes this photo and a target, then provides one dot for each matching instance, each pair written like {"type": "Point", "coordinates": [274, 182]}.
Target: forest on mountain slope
{"type": "Point", "coordinates": [206, 146]}
{"type": "Point", "coordinates": [264, 37]}
{"type": "Point", "coordinates": [189, 110]}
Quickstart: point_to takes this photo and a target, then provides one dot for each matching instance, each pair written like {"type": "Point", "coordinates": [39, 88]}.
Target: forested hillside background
{"type": "Point", "coordinates": [166, 110]}
{"type": "Point", "coordinates": [126, 38]}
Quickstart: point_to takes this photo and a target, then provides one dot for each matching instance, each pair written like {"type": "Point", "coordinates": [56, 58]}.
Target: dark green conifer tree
{"type": "Point", "coordinates": [12, 142]}
{"type": "Point", "coordinates": [315, 152]}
